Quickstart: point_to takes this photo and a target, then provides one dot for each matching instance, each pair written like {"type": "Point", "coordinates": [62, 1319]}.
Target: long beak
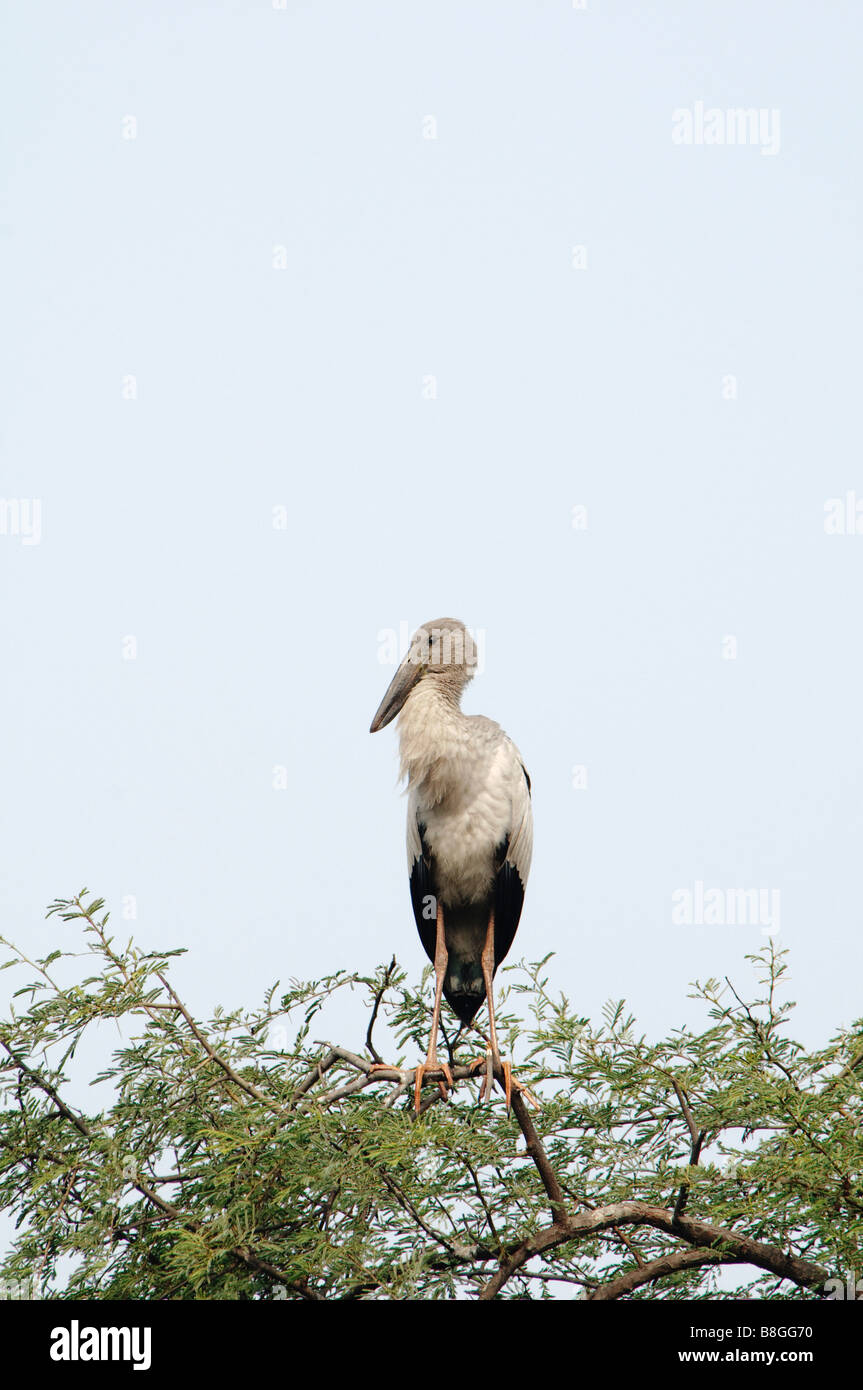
{"type": "Point", "coordinates": [400, 688]}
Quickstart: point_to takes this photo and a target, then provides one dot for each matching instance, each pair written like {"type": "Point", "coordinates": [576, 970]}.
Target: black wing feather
{"type": "Point", "coordinates": [422, 889]}
{"type": "Point", "coordinates": [508, 902]}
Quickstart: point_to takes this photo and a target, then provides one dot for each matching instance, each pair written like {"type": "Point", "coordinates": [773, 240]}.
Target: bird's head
{"type": "Point", "coordinates": [442, 652]}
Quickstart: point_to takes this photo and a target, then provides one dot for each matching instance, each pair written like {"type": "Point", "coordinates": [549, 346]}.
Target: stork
{"type": "Point", "coordinates": [469, 830]}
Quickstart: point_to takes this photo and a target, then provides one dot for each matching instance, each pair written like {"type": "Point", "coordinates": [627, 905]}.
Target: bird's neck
{"type": "Point", "coordinates": [432, 740]}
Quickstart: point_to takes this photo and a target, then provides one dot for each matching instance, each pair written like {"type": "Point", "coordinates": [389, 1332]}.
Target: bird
{"type": "Point", "coordinates": [469, 831]}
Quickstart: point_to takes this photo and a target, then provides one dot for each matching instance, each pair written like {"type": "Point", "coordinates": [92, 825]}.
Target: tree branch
{"type": "Point", "coordinates": [698, 1137]}
{"type": "Point", "coordinates": [658, 1269]}
{"type": "Point", "coordinates": [379, 994]}
{"type": "Point", "coordinates": [698, 1233]}
{"type": "Point", "coordinates": [540, 1157]}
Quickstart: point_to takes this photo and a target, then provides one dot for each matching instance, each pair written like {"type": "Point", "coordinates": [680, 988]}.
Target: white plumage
{"type": "Point", "coordinates": [467, 785]}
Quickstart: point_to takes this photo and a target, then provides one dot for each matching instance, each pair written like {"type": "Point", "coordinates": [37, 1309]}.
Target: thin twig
{"type": "Point", "coordinates": [214, 1056]}
{"type": "Point", "coordinates": [698, 1137]}
{"type": "Point", "coordinates": [379, 994]}
{"type": "Point", "coordinates": [760, 1033]}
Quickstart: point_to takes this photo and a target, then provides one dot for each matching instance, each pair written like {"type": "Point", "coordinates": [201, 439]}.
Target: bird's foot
{"type": "Point", "coordinates": [510, 1083]}
{"type": "Point", "coordinates": [432, 1064]}
{"type": "Point", "coordinates": [523, 1090]}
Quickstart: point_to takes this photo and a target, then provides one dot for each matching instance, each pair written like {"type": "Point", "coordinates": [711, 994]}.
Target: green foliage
{"type": "Point", "coordinates": [242, 1159]}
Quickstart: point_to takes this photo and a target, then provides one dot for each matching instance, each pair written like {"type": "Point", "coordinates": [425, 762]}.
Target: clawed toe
{"type": "Point", "coordinates": [510, 1083]}
{"type": "Point", "coordinates": [526, 1092]}
{"type": "Point", "coordinates": [445, 1082]}
{"type": "Point", "coordinates": [485, 1063]}
{"type": "Point", "coordinates": [432, 1065]}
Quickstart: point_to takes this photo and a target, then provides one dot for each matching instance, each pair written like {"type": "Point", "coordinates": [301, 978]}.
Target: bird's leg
{"type": "Point", "coordinates": [493, 1057]}
{"type": "Point", "coordinates": [488, 977]}
{"type": "Point", "coordinates": [431, 1062]}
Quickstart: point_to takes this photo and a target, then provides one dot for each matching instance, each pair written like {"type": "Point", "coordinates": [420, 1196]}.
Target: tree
{"type": "Point", "coordinates": [238, 1159]}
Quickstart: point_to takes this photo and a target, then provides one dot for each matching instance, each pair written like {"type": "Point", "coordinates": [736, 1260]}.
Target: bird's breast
{"type": "Point", "coordinates": [460, 773]}
{"type": "Point", "coordinates": [463, 833]}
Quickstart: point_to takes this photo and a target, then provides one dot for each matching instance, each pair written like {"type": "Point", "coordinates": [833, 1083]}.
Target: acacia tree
{"type": "Point", "coordinates": [240, 1158]}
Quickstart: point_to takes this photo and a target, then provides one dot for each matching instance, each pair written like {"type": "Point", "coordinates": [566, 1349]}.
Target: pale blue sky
{"type": "Point", "coordinates": [258, 387]}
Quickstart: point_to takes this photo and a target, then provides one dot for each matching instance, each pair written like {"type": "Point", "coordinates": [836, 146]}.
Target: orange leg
{"type": "Point", "coordinates": [432, 1062]}
{"type": "Point", "coordinates": [488, 977]}
{"type": "Point", "coordinates": [493, 1058]}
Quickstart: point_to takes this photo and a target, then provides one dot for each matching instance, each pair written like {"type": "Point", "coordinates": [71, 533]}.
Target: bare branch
{"type": "Point", "coordinates": [700, 1233]}
{"type": "Point", "coordinates": [658, 1269]}
{"type": "Point", "coordinates": [540, 1157]}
